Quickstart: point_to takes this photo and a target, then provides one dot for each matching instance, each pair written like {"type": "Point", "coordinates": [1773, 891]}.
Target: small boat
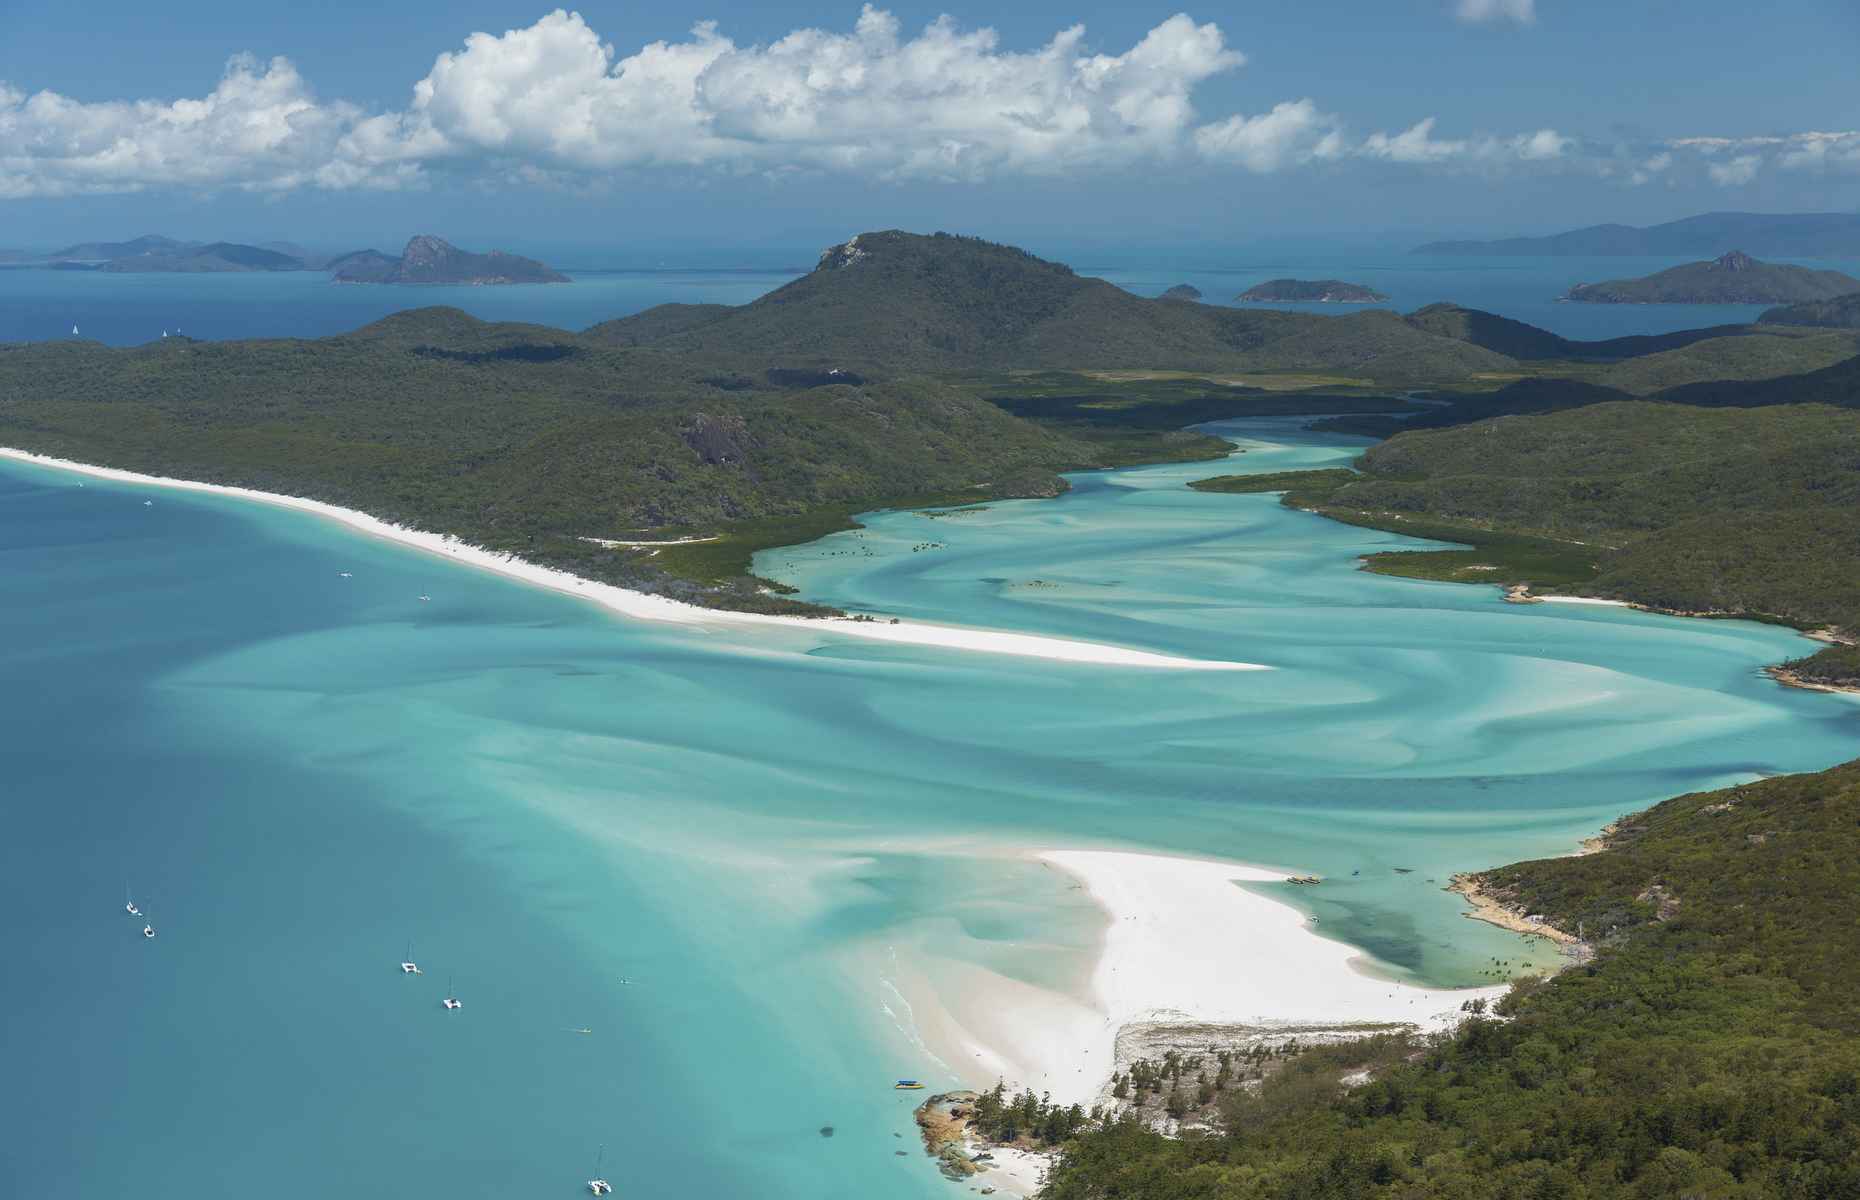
{"type": "Point", "coordinates": [408, 966]}
{"type": "Point", "coordinates": [452, 1002]}
{"type": "Point", "coordinates": [129, 904]}
{"type": "Point", "coordinates": [74, 331]}
{"type": "Point", "coordinates": [148, 931]}
{"type": "Point", "coordinates": [148, 504]}
{"type": "Point", "coordinates": [426, 597]}
{"type": "Point", "coordinates": [597, 1185]}
{"type": "Point", "coordinates": [348, 574]}
{"type": "Point", "coordinates": [907, 1085]}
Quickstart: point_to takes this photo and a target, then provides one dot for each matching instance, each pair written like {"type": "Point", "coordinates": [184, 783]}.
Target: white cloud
{"type": "Point", "coordinates": [1417, 144]}
{"type": "Point", "coordinates": [1737, 171]}
{"type": "Point", "coordinates": [943, 103]}
{"type": "Point", "coordinates": [1487, 12]}
{"type": "Point", "coordinates": [259, 129]}
{"type": "Point", "coordinates": [1293, 132]}
{"type": "Point", "coordinates": [551, 103]}
{"type": "Point", "coordinates": [1735, 161]}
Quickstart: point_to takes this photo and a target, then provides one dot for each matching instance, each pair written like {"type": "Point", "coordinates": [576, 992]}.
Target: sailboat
{"type": "Point", "coordinates": [408, 966]}
{"type": "Point", "coordinates": [452, 1002]}
{"type": "Point", "coordinates": [129, 904]}
{"type": "Point", "coordinates": [598, 1185]}
{"type": "Point", "coordinates": [148, 931]}
{"type": "Point", "coordinates": [74, 331]}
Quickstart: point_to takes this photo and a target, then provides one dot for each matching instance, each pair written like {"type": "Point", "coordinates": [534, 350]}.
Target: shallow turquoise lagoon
{"type": "Point", "coordinates": [714, 849]}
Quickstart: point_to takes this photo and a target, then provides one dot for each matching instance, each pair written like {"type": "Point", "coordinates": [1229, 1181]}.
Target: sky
{"type": "Point", "coordinates": [730, 123]}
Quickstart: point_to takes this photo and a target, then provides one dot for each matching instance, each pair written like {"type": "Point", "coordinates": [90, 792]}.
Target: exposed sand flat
{"type": "Point", "coordinates": [1585, 600]}
{"type": "Point", "coordinates": [1184, 943]}
{"type": "Point", "coordinates": [644, 607]}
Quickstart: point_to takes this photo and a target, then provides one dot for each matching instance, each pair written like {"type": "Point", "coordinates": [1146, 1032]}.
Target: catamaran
{"type": "Point", "coordinates": [452, 1002]}
{"type": "Point", "coordinates": [598, 1185]}
{"type": "Point", "coordinates": [408, 966]}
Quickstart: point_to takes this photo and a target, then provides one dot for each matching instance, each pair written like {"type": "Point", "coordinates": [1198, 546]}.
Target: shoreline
{"type": "Point", "coordinates": [1493, 911]}
{"type": "Point", "coordinates": [643, 606]}
{"type": "Point", "coordinates": [1182, 945]}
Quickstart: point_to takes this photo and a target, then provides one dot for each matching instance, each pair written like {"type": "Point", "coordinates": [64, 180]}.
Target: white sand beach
{"type": "Point", "coordinates": [1182, 944]}
{"type": "Point", "coordinates": [1585, 600]}
{"type": "Point", "coordinates": [644, 607]}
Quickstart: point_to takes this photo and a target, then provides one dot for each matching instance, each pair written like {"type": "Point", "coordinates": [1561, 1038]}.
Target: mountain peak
{"type": "Point", "coordinates": [1736, 260]}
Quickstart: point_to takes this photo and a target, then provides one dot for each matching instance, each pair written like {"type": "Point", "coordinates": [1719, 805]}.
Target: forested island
{"type": "Point", "coordinates": [426, 259]}
{"type": "Point", "coordinates": [1785, 235]}
{"type": "Point", "coordinates": [1310, 291]}
{"type": "Point", "coordinates": [1734, 278]}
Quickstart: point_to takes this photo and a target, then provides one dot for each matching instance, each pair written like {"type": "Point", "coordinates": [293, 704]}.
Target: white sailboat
{"type": "Point", "coordinates": [129, 903]}
{"type": "Point", "coordinates": [148, 931]}
{"type": "Point", "coordinates": [452, 1002]}
{"type": "Point", "coordinates": [598, 1185]}
{"type": "Point", "coordinates": [408, 966]}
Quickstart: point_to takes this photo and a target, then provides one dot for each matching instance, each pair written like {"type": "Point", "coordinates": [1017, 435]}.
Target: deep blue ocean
{"type": "Point", "coordinates": [698, 888]}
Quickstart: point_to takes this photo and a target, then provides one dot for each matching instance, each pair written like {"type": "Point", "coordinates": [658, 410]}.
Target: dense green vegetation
{"type": "Point", "coordinates": [1836, 666]}
{"type": "Point", "coordinates": [1709, 1049]}
{"type": "Point", "coordinates": [1842, 312]}
{"type": "Point", "coordinates": [1314, 484]}
{"type": "Point", "coordinates": [903, 370]}
{"type": "Point", "coordinates": [1734, 278]}
{"type": "Point", "coordinates": [898, 301]}
{"type": "Point", "coordinates": [523, 438]}
{"type": "Point", "coordinates": [1697, 510]}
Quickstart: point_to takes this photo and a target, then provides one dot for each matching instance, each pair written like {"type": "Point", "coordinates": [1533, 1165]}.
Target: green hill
{"type": "Point", "coordinates": [1842, 312]}
{"type": "Point", "coordinates": [1710, 1050]}
{"type": "Point", "coordinates": [1838, 384]}
{"type": "Point", "coordinates": [1735, 278]}
{"type": "Point", "coordinates": [1730, 511]}
{"type": "Point", "coordinates": [527, 439]}
{"type": "Point", "coordinates": [896, 301]}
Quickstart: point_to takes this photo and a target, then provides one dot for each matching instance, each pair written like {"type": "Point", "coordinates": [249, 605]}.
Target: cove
{"type": "Point", "coordinates": [746, 860]}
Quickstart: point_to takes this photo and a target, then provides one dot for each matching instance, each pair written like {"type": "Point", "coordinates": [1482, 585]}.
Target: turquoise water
{"type": "Point", "coordinates": [714, 849]}
{"type": "Point", "coordinates": [37, 305]}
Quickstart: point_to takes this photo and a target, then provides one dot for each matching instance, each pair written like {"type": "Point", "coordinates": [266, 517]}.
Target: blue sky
{"type": "Point", "coordinates": [629, 126]}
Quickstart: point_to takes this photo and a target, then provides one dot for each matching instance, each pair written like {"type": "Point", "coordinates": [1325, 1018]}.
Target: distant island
{"type": "Point", "coordinates": [1842, 312]}
{"type": "Point", "coordinates": [426, 259]}
{"type": "Point", "coordinates": [1181, 291]}
{"type": "Point", "coordinates": [1311, 291]}
{"type": "Point", "coordinates": [1735, 278]}
{"type": "Point", "coordinates": [1785, 235]}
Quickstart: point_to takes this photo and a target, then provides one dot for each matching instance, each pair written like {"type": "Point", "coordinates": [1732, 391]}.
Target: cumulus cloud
{"type": "Point", "coordinates": [260, 129]}
{"type": "Point", "coordinates": [1738, 171]}
{"type": "Point", "coordinates": [1293, 132]}
{"type": "Point", "coordinates": [552, 102]}
{"type": "Point", "coordinates": [1417, 144]}
{"type": "Point", "coordinates": [1735, 161]}
{"type": "Point", "coordinates": [946, 102]}
{"type": "Point", "coordinates": [1491, 12]}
